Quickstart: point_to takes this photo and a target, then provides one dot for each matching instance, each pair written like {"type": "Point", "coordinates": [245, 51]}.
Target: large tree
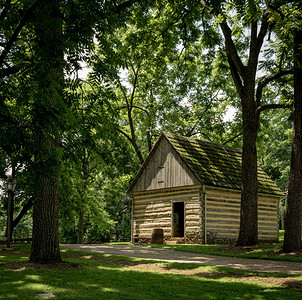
{"type": "Point", "coordinates": [49, 57]}
{"type": "Point", "coordinates": [293, 219]}
{"type": "Point", "coordinates": [243, 58]}
{"type": "Point", "coordinates": [41, 42]}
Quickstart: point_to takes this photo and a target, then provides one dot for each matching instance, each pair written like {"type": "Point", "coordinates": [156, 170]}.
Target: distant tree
{"type": "Point", "coordinates": [162, 80]}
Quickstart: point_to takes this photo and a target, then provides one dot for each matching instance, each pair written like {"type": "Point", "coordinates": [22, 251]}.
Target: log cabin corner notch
{"type": "Point", "coordinates": [191, 189]}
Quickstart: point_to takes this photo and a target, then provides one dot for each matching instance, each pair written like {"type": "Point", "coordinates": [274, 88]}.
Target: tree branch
{"type": "Point", "coordinates": [271, 106]}
{"type": "Point", "coordinates": [134, 86]}
{"type": "Point", "coordinates": [20, 26]}
{"type": "Point", "coordinates": [263, 30]}
{"type": "Point", "coordinates": [235, 76]}
{"type": "Point", "coordinates": [267, 80]}
{"type": "Point", "coordinates": [28, 205]}
{"type": "Point", "coordinates": [5, 9]}
{"type": "Point", "coordinates": [133, 142]}
{"type": "Point", "coordinates": [233, 138]}
{"type": "Point", "coordinates": [231, 49]}
{"type": "Point", "coordinates": [229, 45]}
{"type": "Point", "coordinates": [135, 106]}
{"type": "Point", "coordinates": [209, 8]}
{"type": "Point", "coordinates": [123, 92]}
{"type": "Point", "coordinates": [9, 71]}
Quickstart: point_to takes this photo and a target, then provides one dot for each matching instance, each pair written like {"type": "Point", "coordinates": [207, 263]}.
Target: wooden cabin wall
{"type": "Point", "coordinates": [165, 169]}
{"type": "Point", "coordinates": [223, 216]}
{"type": "Point", "coordinates": [268, 218]}
{"type": "Point", "coordinates": [153, 209]}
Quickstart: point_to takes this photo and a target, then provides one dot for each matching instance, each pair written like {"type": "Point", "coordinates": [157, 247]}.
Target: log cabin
{"type": "Point", "coordinates": [191, 190]}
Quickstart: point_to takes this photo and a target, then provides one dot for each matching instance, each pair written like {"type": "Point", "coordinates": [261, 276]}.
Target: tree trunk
{"type": "Point", "coordinates": [49, 75]}
{"type": "Point", "coordinates": [81, 228]}
{"type": "Point", "coordinates": [45, 238]}
{"type": "Point", "coordinates": [293, 216]}
{"type": "Point", "coordinates": [248, 234]}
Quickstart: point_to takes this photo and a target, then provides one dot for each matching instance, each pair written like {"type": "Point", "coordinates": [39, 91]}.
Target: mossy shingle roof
{"type": "Point", "coordinates": [217, 165]}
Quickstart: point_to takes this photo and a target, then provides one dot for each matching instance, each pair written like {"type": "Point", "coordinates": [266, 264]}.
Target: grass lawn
{"type": "Point", "coordinates": [105, 277]}
{"type": "Point", "coordinates": [262, 251]}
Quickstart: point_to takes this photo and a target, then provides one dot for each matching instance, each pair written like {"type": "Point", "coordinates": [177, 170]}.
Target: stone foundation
{"type": "Point", "coordinates": [193, 238]}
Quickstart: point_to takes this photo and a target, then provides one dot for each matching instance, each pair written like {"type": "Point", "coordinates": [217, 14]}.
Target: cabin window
{"type": "Point", "coordinates": [178, 219]}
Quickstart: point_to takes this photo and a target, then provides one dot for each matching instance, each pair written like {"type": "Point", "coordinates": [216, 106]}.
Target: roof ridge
{"type": "Point", "coordinates": [166, 133]}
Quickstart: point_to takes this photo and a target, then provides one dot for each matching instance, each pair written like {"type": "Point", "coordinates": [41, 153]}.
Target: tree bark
{"type": "Point", "coordinates": [49, 73]}
{"type": "Point", "coordinates": [293, 216]}
{"type": "Point", "coordinates": [45, 237]}
{"type": "Point", "coordinates": [81, 228]}
{"type": "Point", "coordinates": [248, 233]}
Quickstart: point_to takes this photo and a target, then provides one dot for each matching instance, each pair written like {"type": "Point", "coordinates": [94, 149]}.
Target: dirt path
{"type": "Point", "coordinates": [187, 257]}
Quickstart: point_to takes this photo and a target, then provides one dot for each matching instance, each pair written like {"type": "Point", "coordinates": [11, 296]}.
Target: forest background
{"type": "Point", "coordinates": [157, 66]}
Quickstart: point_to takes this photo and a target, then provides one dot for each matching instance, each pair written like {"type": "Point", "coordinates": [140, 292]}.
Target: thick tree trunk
{"type": "Point", "coordinates": [45, 239]}
{"type": "Point", "coordinates": [293, 217]}
{"type": "Point", "coordinates": [49, 75]}
{"type": "Point", "coordinates": [248, 234]}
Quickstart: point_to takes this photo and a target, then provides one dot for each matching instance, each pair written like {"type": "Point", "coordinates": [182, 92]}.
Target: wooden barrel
{"type": "Point", "coordinates": [157, 236]}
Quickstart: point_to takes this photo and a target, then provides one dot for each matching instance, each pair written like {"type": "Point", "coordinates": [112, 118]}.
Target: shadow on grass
{"type": "Point", "coordinates": [103, 280]}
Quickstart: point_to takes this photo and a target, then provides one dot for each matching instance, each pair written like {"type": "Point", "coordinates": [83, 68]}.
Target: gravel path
{"type": "Point", "coordinates": [187, 257]}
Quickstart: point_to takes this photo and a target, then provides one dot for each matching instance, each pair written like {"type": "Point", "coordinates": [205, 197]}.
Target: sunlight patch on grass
{"type": "Point", "coordinates": [33, 277]}
{"type": "Point", "coordinates": [109, 290]}
{"type": "Point", "coordinates": [37, 286]}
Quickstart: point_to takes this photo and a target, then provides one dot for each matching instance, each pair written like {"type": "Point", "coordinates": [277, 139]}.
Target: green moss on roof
{"type": "Point", "coordinates": [217, 165]}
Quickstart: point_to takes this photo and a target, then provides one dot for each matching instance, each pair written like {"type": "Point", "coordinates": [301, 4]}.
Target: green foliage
{"type": "Point", "coordinates": [275, 146]}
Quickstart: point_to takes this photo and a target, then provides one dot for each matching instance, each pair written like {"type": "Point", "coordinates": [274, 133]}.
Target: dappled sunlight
{"type": "Point", "coordinates": [33, 277]}
{"type": "Point", "coordinates": [160, 254]}
{"type": "Point", "coordinates": [109, 290]}
{"type": "Point", "coordinates": [103, 280]}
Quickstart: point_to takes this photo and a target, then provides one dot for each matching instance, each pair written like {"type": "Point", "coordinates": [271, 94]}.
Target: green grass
{"type": "Point", "coordinates": [261, 252]}
{"type": "Point", "coordinates": [97, 279]}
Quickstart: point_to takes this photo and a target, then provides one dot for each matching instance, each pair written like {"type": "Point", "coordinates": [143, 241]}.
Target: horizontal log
{"type": "Point", "coordinates": [190, 218]}
{"type": "Point", "coordinates": [148, 204]}
{"type": "Point", "coordinates": [150, 211]}
{"type": "Point", "coordinates": [190, 206]}
{"type": "Point", "coordinates": [155, 225]}
{"type": "Point", "coordinates": [135, 215]}
{"type": "Point", "coordinates": [222, 191]}
{"type": "Point", "coordinates": [225, 235]}
{"type": "Point", "coordinates": [193, 212]}
{"type": "Point", "coordinates": [236, 227]}
{"type": "Point", "coordinates": [170, 190]}
{"type": "Point", "coordinates": [230, 203]}
{"type": "Point", "coordinates": [232, 221]}
{"type": "Point", "coordinates": [164, 199]}
{"type": "Point", "coordinates": [193, 224]}
{"type": "Point", "coordinates": [234, 232]}
{"type": "Point", "coordinates": [148, 231]}
{"type": "Point", "coordinates": [141, 218]}
{"type": "Point", "coordinates": [155, 222]}
{"type": "Point", "coordinates": [191, 229]}
{"type": "Point", "coordinates": [161, 193]}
